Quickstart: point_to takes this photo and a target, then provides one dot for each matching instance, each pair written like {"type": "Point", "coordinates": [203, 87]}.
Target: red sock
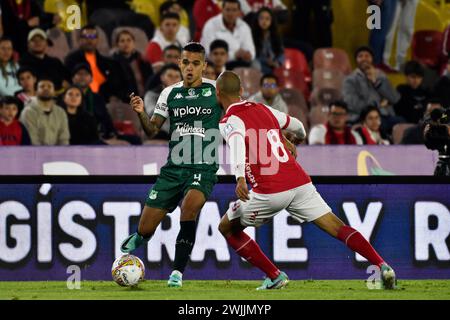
{"type": "Point", "coordinates": [355, 241]}
{"type": "Point", "coordinates": [248, 249]}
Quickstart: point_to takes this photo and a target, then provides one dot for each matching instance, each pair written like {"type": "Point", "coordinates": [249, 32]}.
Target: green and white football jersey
{"type": "Point", "coordinates": [194, 115]}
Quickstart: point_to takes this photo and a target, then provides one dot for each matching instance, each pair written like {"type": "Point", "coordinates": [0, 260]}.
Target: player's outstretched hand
{"type": "Point", "coordinates": [137, 103]}
{"type": "Point", "coordinates": [242, 190]}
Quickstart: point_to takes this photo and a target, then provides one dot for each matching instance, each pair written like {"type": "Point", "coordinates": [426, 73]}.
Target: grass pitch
{"type": "Point", "coordinates": [225, 290]}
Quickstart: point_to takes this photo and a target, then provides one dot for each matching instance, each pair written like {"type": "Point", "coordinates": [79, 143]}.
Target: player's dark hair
{"type": "Point", "coordinates": [218, 43]}
{"type": "Point", "coordinates": [414, 68]}
{"type": "Point", "coordinates": [25, 69]}
{"type": "Point", "coordinates": [194, 47]}
{"type": "Point", "coordinates": [169, 66]}
{"type": "Point", "coordinates": [339, 103]}
{"type": "Point", "coordinates": [364, 49]}
{"type": "Point", "coordinates": [170, 15]}
{"type": "Point", "coordinates": [231, 1]}
{"type": "Point", "coordinates": [172, 47]}
{"type": "Point", "coordinates": [210, 63]}
{"type": "Point", "coordinates": [9, 100]}
{"type": "Point", "coordinates": [268, 76]}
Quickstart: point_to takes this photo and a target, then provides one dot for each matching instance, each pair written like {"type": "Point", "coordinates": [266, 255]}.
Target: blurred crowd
{"type": "Point", "coordinates": [60, 86]}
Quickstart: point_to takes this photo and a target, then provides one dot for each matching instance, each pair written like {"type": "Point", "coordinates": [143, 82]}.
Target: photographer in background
{"type": "Point", "coordinates": [437, 137]}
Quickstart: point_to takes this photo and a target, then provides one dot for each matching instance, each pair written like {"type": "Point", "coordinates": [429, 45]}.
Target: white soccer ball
{"type": "Point", "coordinates": [128, 270]}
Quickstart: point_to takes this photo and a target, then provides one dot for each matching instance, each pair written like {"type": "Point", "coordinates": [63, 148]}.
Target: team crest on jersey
{"type": "Point", "coordinates": [228, 129]}
{"type": "Point", "coordinates": [153, 195]}
{"type": "Point", "coordinates": [178, 96]}
{"type": "Point", "coordinates": [191, 94]}
{"type": "Point", "coordinates": [206, 92]}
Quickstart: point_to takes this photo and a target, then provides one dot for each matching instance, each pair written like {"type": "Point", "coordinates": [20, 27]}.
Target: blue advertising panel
{"type": "Point", "coordinates": [44, 228]}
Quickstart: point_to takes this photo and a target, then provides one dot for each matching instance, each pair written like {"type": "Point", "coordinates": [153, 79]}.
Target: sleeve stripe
{"type": "Point", "coordinates": [288, 120]}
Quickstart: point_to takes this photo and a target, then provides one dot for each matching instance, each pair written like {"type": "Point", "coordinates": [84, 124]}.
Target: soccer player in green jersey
{"type": "Point", "coordinates": [190, 172]}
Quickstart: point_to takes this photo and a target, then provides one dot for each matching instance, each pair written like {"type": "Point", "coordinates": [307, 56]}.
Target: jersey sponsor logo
{"type": "Point", "coordinates": [162, 107]}
{"type": "Point", "coordinates": [178, 96]}
{"type": "Point", "coordinates": [153, 195]}
{"type": "Point", "coordinates": [188, 130]}
{"type": "Point", "coordinates": [206, 92]}
{"type": "Point", "coordinates": [196, 111]}
{"type": "Point", "coordinates": [195, 183]}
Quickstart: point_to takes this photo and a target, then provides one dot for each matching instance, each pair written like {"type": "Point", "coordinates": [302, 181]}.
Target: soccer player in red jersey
{"type": "Point", "coordinates": [262, 156]}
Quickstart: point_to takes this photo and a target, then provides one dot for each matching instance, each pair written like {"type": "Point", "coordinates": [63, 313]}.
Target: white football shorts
{"type": "Point", "coordinates": [304, 203]}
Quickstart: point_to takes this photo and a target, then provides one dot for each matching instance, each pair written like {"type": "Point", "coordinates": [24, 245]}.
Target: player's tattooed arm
{"type": "Point", "coordinates": [150, 126]}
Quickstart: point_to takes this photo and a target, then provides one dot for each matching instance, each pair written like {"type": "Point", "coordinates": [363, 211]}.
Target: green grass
{"type": "Point", "coordinates": [229, 290]}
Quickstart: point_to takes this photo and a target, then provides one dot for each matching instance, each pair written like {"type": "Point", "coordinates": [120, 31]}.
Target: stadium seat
{"type": "Point", "coordinates": [250, 78]}
{"type": "Point", "coordinates": [323, 78]}
{"type": "Point", "coordinates": [140, 37]}
{"type": "Point", "coordinates": [295, 60]}
{"type": "Point", "coordinates": [427, 47]}
{"type": "Point", "coordinates": [297, 112]}
{"type": "Point", "coordinates": [318, 115]}
{"type": "Point", "coordinates": [398, 130]}
{"type": "Point", "coordinates": [332, 59]}
{"type": "Point", "coordinates": [124, 118]}
{"type": "Point", "coordinates": [294, 97]}
{"type": "Point", "coordinates": [292, 79]}
{"type": "Point", "coordinates": [324, 96]}
{"type": "Point", "coordinates": [103, 43]}
{"type": "Point", "coordinates": [59, 47]}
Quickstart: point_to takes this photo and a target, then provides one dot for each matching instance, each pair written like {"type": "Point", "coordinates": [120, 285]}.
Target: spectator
{"type": "Point", "coordinates": [414, 135]}
{"type": "Point", "coordinates": [320, 36]}
{"type": "Point", "coordinates": [369, 86]}
{"type": "Point", "coordinates": [170, 75]}
{"type": "Point", "coordinates": [229, 27]}
{"type": "Point", "coordinates": [210, 71]}
{"type": "Point", "coordinates": [136, 69]}
{"type": "Point", "coordinates": [183, 34]}
{"type": "Point", "coordinates": [170, 24]}
{"type": "Point", "coordinates": [27, 80]}
{"type": "Point", "coordinates": [96, 106]}
{"type": "Point", "coordinates": [41, 63]}
{"type": "Point", "coordinates": [377, 37]}
{"type": "Point", "coordinates": [441, 89]}
{"type": "Point", "coordinates": [403, 28]}
{"type": "Point", "coordinates": [413, 96]}
{"type": "Point", "coordinates": [12, 132]}
{"type": "Point", "coordinates": [335, 131]}
{"type": "Point", "coordinates": [369, 130]}
{"type": "Point", "coordinates": [218, 54]}
{"type": "Point", "coordinates": [82, 125]}
{"type": "Point", "coordinates": [268, 41]}
{"type": "Point", "coordinates": [108, 77]}
{"type": "Point", "coordinates": [270, 93]}
{"type": "Point", "coordinates": [19, 17]}
{"type": "Point", "coordinates": [8, 67]}
{"type": "Point", "coordinates": [204, 10]}
{"type": "Point", "coordinates": [171, 54]}
{"type": "Point", "coordinates": [251, 7]}
{"type": "Point", "coordinates": [46, 121]}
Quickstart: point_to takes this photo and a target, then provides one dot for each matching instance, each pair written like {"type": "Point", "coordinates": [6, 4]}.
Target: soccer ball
{"type": "Point", "coordinates": [128, 270]}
